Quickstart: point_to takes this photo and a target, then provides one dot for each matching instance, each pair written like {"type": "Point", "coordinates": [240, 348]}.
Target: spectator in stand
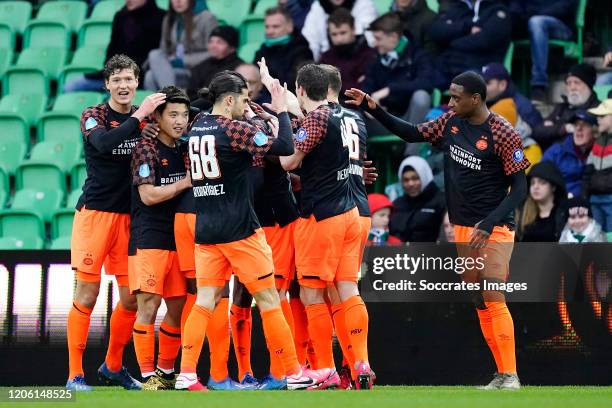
{"type": "Point", "coordinates": [185, 33]}
{"type": "Point", "coordinates": [472, 33]}
{"type": "Point", "coordinates": [542, 217]}
{"type": "Point", "coordinates": [298, 9]}
{"type": "Point", "coordinates": [401, 78]}
{"type": "Point", "coordinates": [315, 25]}
{"type": "Point", "coordinates": [417, 17]}
{"type": "Point", "coordinates": [598, 172]}
{"type": "Point", "coordinates": [222, 45]}
{"type": "Point", "coordinates": [545, 20]}
{"type": "Point", "coordinates": [251, 73]}
{"type": "Point", "coordinates": [417, 215]}
{"type": "Point", "coordinates": [381, 208]}
{"type": "Point", "coordinates": [136, 30]}
{"type": "Point", "coordinates": [570, 155]}
{"type": "Point", "coordinates": [284, 49]}
{"type": "Point", "coordinates": [579, 95]}
{"type": "Point", "coordinates": [606, 77]}
{"type": "Point", "coordinates": [349, 52]}
{"type": "Point", "coordinates": [581, 227]}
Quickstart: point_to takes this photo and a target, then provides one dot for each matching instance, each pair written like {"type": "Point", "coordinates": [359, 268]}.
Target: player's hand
{"type": "Point", "coordinates": [357, 97]}
{"type": "Point", "coordinates": [151, 130]}
{"type": "Point", "coordinates": [296, 182]}
{"type": "Point", "coordinates": [370, 174]}
{"type": "Point", "coordinates": [279, 97]}
{"type": "Point", "coordinates": [248, 112]}
{"type": "Point", "coordinates": [478, 239]}
{"type": "Point", "coordinates": [149, 104]}
{"type": "Point", "coordinates": [293, 106]}
{"type": "Point", "coordinates": [187, 180]}
{"type": "Point", "coordinates": [273, 123]}
{"type": "Point", "coordinates": [264, 73]}
{"type": "Point", "coordinates": [608, 59]}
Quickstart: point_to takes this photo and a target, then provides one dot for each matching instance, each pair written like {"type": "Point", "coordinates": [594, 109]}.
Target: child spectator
{"type": "Point", "coordinates": [581, 227]}
{"type": "Point", "coordinates": [380, 207]}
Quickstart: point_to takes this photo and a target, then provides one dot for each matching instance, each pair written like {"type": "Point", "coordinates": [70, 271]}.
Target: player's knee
{"type": "Point", "coordinates": [129, 303]}
{"type": "Point", "coordinates": [148, 308]}
{"type": "Point", "coordinates": [347, 289]}
{"type": "Point", "coordinates": [206, 297]}
{"type": "Point", "coordinates": [478, 301]}
{"type": "Point", "coordinates": [312, 296]}
{"type": "Point", "coordinates": [267, 299]}
{"type": "Point", "coordinates": [87, 294]}
{"type": "Point", "coordinates": [493, 296]}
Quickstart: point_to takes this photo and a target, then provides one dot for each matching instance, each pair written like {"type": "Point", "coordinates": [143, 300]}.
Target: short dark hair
{"type": "Point", "coordinates": [173, 95]}
{"type": "Point", "coordinates": [314, 80]}
{"type": "Point", "coordinates": [388, 23]}
{"type": "Point", "coordinates": [223, 83]}
{"type": "Point", "coordinates": [472, 83]}
{"type": "Point", "coordinates": [334, 77]}
{"type": "Point", "coordinates": [341, 16]}
{"type": "Point", "coordinates": [279, 10]}
{"type": "Point", "coordinates": [119, 62]}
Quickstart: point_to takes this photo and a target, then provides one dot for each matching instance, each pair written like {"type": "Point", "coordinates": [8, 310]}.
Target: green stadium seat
{"type": "Point", "coordinates": [73, 198]}
{"type": "Point", "coordinates": [76, 102]}
{"type": "Point", "coordinates": [252, 30]}
{"type": "Point", "coordinates": [61, 223]}
{"type": "Point", "coordinates": [16, 14]}
{"type": "Point", "coordinates": [5, 187]}
{"type": "Point", "coordinates": [86, 59]}
{"type": "Point", "coordinates": [23, 225]}
{"type": "Point", "coordinates": [383, 6]}
{"type": "Point", "coordinates": [61, 243]}
{"type": "Point", "coordinates": [14, 128]}
{"type": "Point", "coordinates": [433, 5]}
{"type": "Point", "coordinates": [6, 58]}
{"type": "Point", "coordinates": [43, 201]}
{"type": "Point", "coordinates": [33, 175]}
{"type": "Point", "coordinates": [62, 127]}
{"type": "Point", "coordinates": [18, 244]}
{"type": "Point", "coordinates": [262, 6]}
{"type": "Point", "coordinates": [27, 106]}
{"type": "Point", "coordinates": [69, 13]}
{"type": "Point", "coordinates": [140, 95]}
{"type": "Point", "coordinates": [46, 34]}
{"type": "Point", "coordinates": [78, 174]}
{"type": "Point", "coordinates": [49, 59]}
{"type": "Point", "coordinates": [64, 155]}
{"type": "Point", "coordinates": [602, 91]}
{"type": "Point", "coordinates": [25, 80]}
{"type": "Point", "coordinates": [106, 10]}
{"type": "Point", "coordinates": [95, 33]}
{"type": "Point", "coordinates": [247, 52]}
{"type": "Point", "coordinates": [7, 36]}
{"type": "Point", "coordinates": [163, 4]}
{"type": "Point", "coordinates": [233, 12]}
{"type": "Point", "coordinates": [11, 155]}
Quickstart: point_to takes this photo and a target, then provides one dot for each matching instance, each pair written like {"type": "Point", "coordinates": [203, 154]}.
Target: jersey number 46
{"type": "Point", "coordinates": [203, 157]}
{"type": "Point", "coordinates": [350, 136]}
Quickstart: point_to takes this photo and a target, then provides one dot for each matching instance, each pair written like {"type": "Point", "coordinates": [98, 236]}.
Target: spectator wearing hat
{"type": "Point", "coordinates": [222, 46]}
{"type": "Point", "coordinates": [597, 183]}
{"type": "Point", "coordinates": [581, 227]}
{"type": "Point", "coordinates": [381, 208]}
{"type": "Point", "coordinates": [570, 155]}
{"type": "Point", "coordinates": [579, 95]}
{"type": "Point", "coordinates": [542, 216]}
{"type": "Point", "coordinates": [417, 215]}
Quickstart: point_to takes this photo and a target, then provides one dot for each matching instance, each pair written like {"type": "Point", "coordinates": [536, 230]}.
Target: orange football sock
{"type": "Point", "coordinates": [144, 344]}
{"type": "Point", "coordinates": [300, 327]}
{"type": "Point", "coordinates": [193, 338]}
{"type": "Point", "coordinates": [343, 337]}
{"type": "Point", "coordinates": [169, 345]}
{"type": "Point", "coordinates": [320, 329]}
{"type": "Point", "coordinates": [121, 326]}
{"type": "Point", "coordinates": [356, 320]}
{"type": "Point", "coordinates": [280, 342]}
{"type": "Point", "coordinates": [286, 307]}
{"type": "Point", "coordinates": [189, 302]}
{"type": "Point", "coordinates": [503, 331]}
{"type": "Point", "coordinates": [241, 322]}
{"type": "Point", "coordinates": [486, 325]}
{"type": "Point", "coordinates": [77, 328]}
{"type": "Point", "coordinates": [219, 340]}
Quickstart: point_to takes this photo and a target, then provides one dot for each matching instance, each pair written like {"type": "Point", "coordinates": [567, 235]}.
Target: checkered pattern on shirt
{"type": "Point", "coordinates": [433, 131]}
{"type": "Point", "coordinates": [145, 152]}
{"type": "Point", "coordinates": [506, 141]}
{"type": "Point", "coordinates": [99, 113]}
{"type": "Point", "coordinates": [315, 125]}
{"type": "Point", "coordinates": [242, 136]}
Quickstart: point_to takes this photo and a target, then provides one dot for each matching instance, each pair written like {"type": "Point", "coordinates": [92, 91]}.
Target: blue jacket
{"type": "Point", "coordinates": [463, 51]}
{"type": "Point", "coordinates": [564, 156]}
{"type": "Point", "coordinates": [413, 70]}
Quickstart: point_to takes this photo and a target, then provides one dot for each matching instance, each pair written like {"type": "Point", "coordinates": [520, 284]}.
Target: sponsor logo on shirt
{"type": "Point", "coordinates": [125, 148]}
{"type": "Point", "coordinates": [518, 155]}
{"type": "Point", "coordinates": [114, 124]}
{"type": "Point", "coordinates": [90, 124]}
{"type": "Point", "coordinates": [164, 162]}
{"type": "Point", "coordinates": [144, 170]}
{"type": "Point", "coordinates": [482, 143]}
{"type": "Point", "coordinates": [260, 139]}
{"type": "Point", "coordinates": [454, 130]}
{"type": "Point", "coordinates": [464, 158]}
{"type": "Point", "coordinates": [301, 135]}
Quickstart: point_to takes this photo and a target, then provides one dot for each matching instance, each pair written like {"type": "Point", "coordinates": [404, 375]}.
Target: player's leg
{"type": "Point", "coordinates": [144, 332]}
{"type": "Point", "coordinates": [184, 236]}
{"type": "Point", "coordinates": [190, 298]}
{"type": "Point", "coordinates": [347, 372]}
{"type": "Point", "coordinates": [300, 324]}
{"type": "Point", "coordinates": [218, 334]}
{"type": "Point", "coordinates": [242, 322]}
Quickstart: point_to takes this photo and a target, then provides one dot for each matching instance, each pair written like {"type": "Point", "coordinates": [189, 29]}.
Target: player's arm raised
{"type": "Point", "coordinates": [283, 144]}
{"type": "Point", "coordinates": [104, 140]}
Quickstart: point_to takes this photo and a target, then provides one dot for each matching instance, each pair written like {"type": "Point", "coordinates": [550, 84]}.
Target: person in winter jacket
{"type": "Point", "coordinates": [417, 215]}
{"type": "Point", "coordinates": [315, 25]}
{"type": "Point", "coordinates": [581, 227]}
{"type": "Point", "coordinates": [570, 156]}
{"type": "Point", "coordinates": [381, 208]}
{"type": "Point", "coordinates": [416, 18]}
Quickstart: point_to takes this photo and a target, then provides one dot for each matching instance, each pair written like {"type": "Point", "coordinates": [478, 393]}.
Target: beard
{"type": "Point", "coordinates": [578, 98]}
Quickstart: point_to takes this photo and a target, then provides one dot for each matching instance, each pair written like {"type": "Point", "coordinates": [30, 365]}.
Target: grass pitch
{"type": "Point", "coordinates": [396, 396]}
